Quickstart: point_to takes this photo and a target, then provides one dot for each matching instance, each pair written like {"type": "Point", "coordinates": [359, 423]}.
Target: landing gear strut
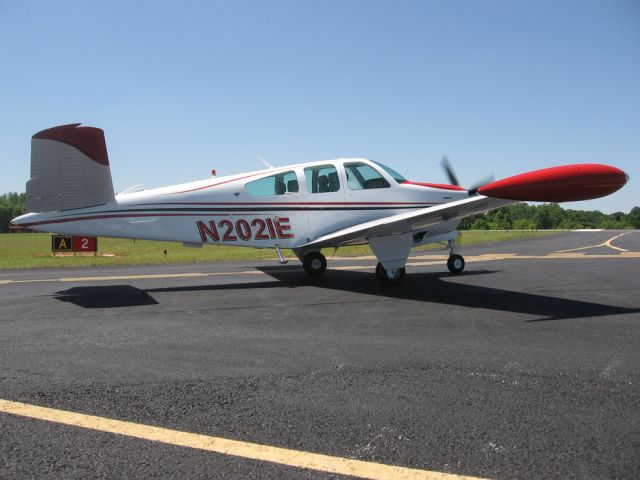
{"type": "Point", "coordinates": [391, 277]}
{"type": "Point", "coordinates": [455, 264]}
{"type": "Point", "coordinates": [314, 263]}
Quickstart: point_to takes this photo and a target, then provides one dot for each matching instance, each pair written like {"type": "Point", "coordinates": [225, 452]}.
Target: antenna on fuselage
{"type": "Point", "coordinates": [266, 164]}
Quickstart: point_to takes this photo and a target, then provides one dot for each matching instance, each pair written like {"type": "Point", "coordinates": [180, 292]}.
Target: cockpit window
{"type": "Point", "coordinates": [361, 176]}
{"type": "Point", "coordinates": [396, 176]}
{"type": "Point", "coordinates": [280, 184]}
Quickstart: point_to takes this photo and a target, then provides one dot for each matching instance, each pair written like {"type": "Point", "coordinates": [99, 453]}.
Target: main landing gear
{"type": "Point", "coordinates": [314, 263]}
{"type": "Point", "coordinates": [455, 263]}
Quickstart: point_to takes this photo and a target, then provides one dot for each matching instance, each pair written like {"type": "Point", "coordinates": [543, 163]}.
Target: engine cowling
{"type": "Point", "coordinates": [565, 183]}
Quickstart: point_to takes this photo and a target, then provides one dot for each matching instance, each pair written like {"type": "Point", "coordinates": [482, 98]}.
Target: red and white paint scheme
{"type": "Point", "coordinates": [302, 207]}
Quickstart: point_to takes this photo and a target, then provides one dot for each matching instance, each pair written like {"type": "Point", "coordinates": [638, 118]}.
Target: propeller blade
{"type": "Point", "coordinates": [484, 181]}
{"type": "Point", "coordinates": [449, 171]}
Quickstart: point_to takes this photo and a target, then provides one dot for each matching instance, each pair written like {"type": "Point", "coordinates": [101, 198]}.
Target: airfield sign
{"type": "Point", "coordinates": [69, 243]}
{"type": "Point", "coordinates": [61, 243]}
{"type": "Point", "coordinates": [85, 244]}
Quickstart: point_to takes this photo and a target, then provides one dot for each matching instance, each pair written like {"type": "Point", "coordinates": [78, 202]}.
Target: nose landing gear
{"type": "Point", "coordinates": [455, 263]}
{"type": "Point", "coordinates": [391, 277]}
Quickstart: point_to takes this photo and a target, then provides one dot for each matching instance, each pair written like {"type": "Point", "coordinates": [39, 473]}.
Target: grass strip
{"type": "Point", "coordinates": [33, 250]}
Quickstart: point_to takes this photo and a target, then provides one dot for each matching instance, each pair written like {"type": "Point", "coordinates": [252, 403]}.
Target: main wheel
{"type": "Point", "coordinates": [314, 263]}
{"type": "Point", "coordinates": [455, 264]}
{"type": "Point", "coordinates": [391, 277]}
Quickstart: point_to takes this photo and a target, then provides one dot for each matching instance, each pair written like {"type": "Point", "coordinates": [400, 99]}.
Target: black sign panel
{"type": "Point", "coordinates": [61, 243]}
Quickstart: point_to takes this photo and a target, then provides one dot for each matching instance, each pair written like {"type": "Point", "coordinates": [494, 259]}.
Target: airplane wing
{"type": "Point", "coordinates": [408, 222]}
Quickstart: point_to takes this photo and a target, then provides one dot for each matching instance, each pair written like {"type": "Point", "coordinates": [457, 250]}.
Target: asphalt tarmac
{"type": "Point", "coordinates": [525, 366]}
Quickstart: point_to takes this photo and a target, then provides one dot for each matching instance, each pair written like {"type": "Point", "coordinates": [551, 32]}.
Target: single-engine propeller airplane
{"type": "Point", "coordinates": [304, 207]}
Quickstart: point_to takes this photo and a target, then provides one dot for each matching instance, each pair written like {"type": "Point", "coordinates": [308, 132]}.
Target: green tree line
{"type": "Point", "coordinates": [12, 204]}
{"type": "Point", "coordinates": [519, 216]}
{"type": "Point", "coordinates": [522, 216]}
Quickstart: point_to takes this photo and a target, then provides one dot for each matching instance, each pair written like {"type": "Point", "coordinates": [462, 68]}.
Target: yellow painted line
{"type": "Point", "coordinates": [579, 256]}
{"type": "Point", "coordinates": [491, 257]}
{"type": "Point", "coordinates": [414, 261]}
{"type": "Point", "coordinates": [35, 280]}
{"type": "Point", "coordinates": [224, 446]}
{"type": "Point", "coordinates": [577, 249]}
{"type": "Point", "coordinates": [608, 243]}
{"type": "Point", "coordinates": [426, 264]}
{"type": "Point", "coordinates": [557, 255]}
{"type": "Point", "coordinates": [355, 267]}
{"type": "Point", "coordinates": [359, 257]}
{"type": "Point", "coordinates": [159, 276]}
{"type": "Point", "coordinates": [132, 277]}
{"type": "Point", "coordinates": [603, 244]}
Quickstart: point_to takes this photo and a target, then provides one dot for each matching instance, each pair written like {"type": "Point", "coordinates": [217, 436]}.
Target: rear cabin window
{"type": "Point", "coordinates": [279, 184]}
{"type": "Point", "coordinates": [361, 176]}
{"type": "Point", "coordinates": [322, 179]}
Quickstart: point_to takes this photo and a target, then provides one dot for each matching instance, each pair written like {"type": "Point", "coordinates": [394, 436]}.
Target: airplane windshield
{"type": "Point", "coordinates": [396, 176]}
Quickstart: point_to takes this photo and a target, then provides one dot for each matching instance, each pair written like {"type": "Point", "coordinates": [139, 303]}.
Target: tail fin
{"type": "Point", "coordinates": [69, 169]}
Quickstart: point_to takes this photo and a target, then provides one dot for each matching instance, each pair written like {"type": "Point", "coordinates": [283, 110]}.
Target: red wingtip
{"type": "Point", "coordinates": [566, 183]}
{"type": "Point", "coordinates": [89, 140]}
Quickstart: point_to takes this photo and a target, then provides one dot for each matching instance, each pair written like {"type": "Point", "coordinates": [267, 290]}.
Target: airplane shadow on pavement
{"type": "Point", "coordinates": [107, 296]}
{"type": "Point", "coordinates": [429, 287]}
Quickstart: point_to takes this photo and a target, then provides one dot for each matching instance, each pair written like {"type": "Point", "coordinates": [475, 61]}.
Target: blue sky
{"type": "Point", "coordinates": [183, 87]}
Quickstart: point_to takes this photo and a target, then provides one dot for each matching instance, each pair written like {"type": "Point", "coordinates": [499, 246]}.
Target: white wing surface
{"type": "Point", "coordinates": [408, 222]}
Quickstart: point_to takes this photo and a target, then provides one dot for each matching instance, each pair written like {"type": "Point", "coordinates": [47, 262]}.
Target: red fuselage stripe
{"type": "Point", "coordinates": [441, 186]}
{"type": "Point", "coordinates": [134, 215]}
{"type": "Point", "coordinates": [287, 203]}
{"type": "Point", "coordinates": [102, 217]}
{"type": "Point", "coordinates": [222, 183]}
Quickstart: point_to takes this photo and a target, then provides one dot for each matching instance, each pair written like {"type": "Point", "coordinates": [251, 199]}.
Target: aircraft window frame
{"type": "Point", "coordinates": [363, 180]}
{"type": "Point", "coordinates": [316, 184]}
{"type": "Point", "coordinates": [284, 183]}
{"type": "Point", "coordinates": [391, 172]}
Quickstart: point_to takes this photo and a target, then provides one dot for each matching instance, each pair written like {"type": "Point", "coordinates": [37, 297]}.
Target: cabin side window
{"type": "Point", "coordinates": [279, 184]}
{"type": "Point", "coordinates": [322, 179]}
{"type": "Point", "coordinates": [361, 176]}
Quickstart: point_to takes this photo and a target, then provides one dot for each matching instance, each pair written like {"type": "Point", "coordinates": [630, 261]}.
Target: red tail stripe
{"type": "Point", "coordinates": [89, 140]}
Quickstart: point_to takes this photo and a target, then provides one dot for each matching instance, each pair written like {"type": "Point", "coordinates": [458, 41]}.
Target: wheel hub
{"type": "Point", "coordinates": [393, 273]}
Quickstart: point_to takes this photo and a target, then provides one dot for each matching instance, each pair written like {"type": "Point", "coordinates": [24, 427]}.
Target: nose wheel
{"type": "Point", "coordinates": [391, 277]}
{"type": "Point", "coordinates": [455, 264]}
{"type": "Point", "coordinates": [314, 263]}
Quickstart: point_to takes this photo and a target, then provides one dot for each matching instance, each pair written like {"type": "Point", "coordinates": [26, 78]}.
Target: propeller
{"type": "Point", "coordinates": [453, 179]}
{"type": "Point", "coordinates": [483, 181]}
{"type": "Point", "coordinates": [446, 164]}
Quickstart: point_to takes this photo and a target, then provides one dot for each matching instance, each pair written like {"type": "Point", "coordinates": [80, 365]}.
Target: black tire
{"type": "Point", "coordinates": [314, 263]}
{"type": "Point", "coordinates": [455, 264]}
{"type": "Point", "coordinates": [390, 279]}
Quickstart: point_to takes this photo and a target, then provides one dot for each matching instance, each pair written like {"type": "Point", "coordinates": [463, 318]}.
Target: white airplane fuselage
{"type": "Point", "coordinates": [230, 211]}
{"type": "Point", "coordinates": [304, 207]}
